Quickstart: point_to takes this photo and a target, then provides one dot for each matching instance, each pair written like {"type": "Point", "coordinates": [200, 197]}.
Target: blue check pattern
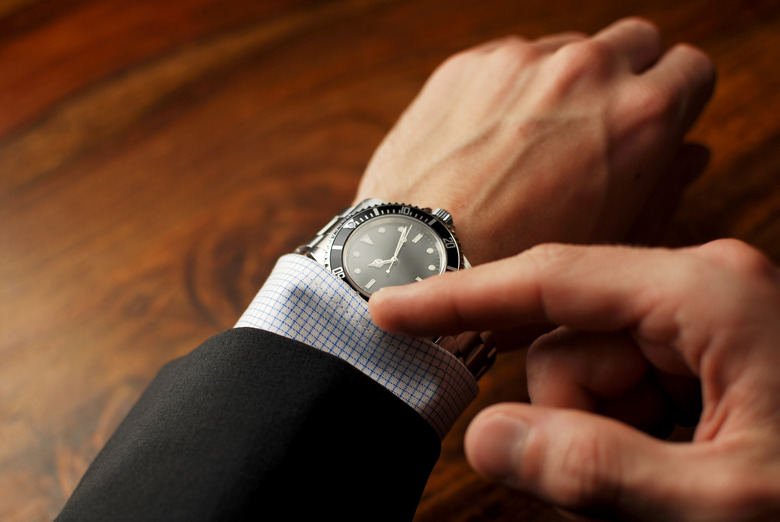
{"type": "Point", "coordinates": [302, 300]}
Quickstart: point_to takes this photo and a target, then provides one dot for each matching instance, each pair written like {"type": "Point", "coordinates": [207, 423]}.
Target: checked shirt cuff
{"type": "Point", "coordinates": [302, 300]}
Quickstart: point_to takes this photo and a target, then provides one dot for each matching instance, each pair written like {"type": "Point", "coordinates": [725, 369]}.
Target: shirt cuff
{"type": "Point", "coordinates": [302, 300]}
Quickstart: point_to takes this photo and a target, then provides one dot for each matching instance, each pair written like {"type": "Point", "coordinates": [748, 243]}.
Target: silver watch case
{"type": "Point", "coordinates": [326, 247]}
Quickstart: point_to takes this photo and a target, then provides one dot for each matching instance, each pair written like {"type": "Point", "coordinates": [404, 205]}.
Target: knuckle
{"type": "Point", "coordinates": [514, 51]}
{"type": "Point", "coordinates": [457, 61]}
{"type": "Point", "coordinates": [513, 40]}
{"type": "Point", "coordinates": [637, 23]}
{"type": "Point", "coordinates": [551, 254]}
{"type": "Point", "coordinates": [574, 35]}
{"type": "Point", "coordinates": [506, 54]}
{"type": "Point", "coordinates": [741, 257]}
{"type": "Point", "coordinates": [667, 101]}
{"type": "Point", "coordinates": [696, 59]}
{"type": "Point", "coordinates": [585, 57]}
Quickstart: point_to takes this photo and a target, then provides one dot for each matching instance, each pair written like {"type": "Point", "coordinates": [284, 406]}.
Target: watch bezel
{"type": "Point", "coordinates": [454, 256]}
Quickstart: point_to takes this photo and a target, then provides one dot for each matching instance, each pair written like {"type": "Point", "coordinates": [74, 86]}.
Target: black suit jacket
{"type": "Point", "coordinates": [254, 426]}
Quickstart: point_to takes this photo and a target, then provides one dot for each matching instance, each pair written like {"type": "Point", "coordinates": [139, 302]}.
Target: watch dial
{"type": "Point", "coordinates": [392, 250]}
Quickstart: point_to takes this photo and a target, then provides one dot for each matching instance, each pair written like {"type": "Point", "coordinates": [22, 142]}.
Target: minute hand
{"type": "Point", "coordinates": [400, 244]}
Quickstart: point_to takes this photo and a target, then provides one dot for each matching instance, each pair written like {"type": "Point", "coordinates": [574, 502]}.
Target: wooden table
{"type": "Point", "coordinates": [156, 157]}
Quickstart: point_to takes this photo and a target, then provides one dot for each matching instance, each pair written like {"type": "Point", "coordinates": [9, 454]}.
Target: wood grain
{"type": "Point", "coordinates": [157, 157]}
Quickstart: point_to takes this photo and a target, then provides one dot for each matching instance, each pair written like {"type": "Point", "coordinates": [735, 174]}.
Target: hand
{"type": "Point", "coordinates": [641, 327]}
{"type": "Point", "coordinates": [379, 263]}
{"type": "Point", "coordinates": [400, 244]}
{"type": "Point", "coordinates": [565, 138]}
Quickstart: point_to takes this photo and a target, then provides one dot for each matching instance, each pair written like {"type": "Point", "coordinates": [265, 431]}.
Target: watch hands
{"type": "Point", "coordinates": [379, 263]}
{"type": "Point", "coordinates": [401, 242]}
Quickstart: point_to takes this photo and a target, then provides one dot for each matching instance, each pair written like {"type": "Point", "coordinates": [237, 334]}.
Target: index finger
{"type": "Point", "coordinates": [591, 288]}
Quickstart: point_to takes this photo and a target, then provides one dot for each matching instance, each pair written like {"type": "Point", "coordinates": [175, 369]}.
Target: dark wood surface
{"type": "Point", "coordinates": [156, 157]}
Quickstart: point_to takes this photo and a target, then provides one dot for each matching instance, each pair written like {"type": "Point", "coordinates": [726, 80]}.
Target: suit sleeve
{"type": "Point", "coordinates": [254, 426]}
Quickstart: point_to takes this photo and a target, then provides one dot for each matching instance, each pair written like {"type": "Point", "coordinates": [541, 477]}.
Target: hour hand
{"type": "Point", "coordinates": [378, 263]}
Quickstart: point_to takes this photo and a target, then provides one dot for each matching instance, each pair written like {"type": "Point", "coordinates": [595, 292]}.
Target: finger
{"type": "Point", "coordinates": [554, 42]}
{"type": "Point", "coordinates": [635, 40]}
{"type": "Point", "coordinates": [591, 288]}
{"type": "Point", "coordinates": [578, 461]}
{"type": "Point", "coordinates": [685, 77]}
{"type": "Point", "coordinates": [657, 212]}
{"type": "Point", "coordinates": [588, 288]}
{"type": "Point", "coordinates": [603, 373]}
{"type": "Point", "coordinates": [575, 369]}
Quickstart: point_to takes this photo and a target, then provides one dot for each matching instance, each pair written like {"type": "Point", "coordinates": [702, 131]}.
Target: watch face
{"type": "Point", "coordinates": [391, 245]}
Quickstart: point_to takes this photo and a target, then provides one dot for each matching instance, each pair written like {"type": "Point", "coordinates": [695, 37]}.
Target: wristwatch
{"type": "Point", "coordinates": [375, 244]}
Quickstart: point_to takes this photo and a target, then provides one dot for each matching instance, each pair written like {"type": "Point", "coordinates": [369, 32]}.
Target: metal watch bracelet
{"type": "Point", "coordinates": [316, 248]}
{"type": "Point", "coordinates": [476, 350]}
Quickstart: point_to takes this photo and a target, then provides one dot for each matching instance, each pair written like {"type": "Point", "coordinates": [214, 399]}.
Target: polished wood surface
{"type": "Point", "coordinates": [156, 157]}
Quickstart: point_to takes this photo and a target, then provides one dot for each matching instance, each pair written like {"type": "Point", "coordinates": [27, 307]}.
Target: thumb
{"type": "Point", "coordinates": [578, 461]}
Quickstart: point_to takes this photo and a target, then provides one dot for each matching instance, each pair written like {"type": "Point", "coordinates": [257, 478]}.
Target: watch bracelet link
{"type": "Point", "coordinates": [314, 248]}
{"type": "Point", "coordinates": [476, 350]}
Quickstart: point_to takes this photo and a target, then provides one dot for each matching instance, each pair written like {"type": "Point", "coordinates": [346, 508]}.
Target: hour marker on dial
{"type": "Point", "coordinates": [430, 250]}
{"type": "Point", "coordinates": [358, 271]}
{"type": "Point", "coordinates": [367, 240]}
{"type": "Point", "coordinates": [417, 238]}
{"type": "Point", "coordinates": [431, 268]}
{"type": "Point", "coordinates": [370, 283]}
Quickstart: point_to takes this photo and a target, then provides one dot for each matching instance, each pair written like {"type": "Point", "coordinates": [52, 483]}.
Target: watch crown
{"type": "Point", "coordinates": [443, 215]}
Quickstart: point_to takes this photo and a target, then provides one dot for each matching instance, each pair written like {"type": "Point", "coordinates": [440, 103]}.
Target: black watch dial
{"type": "Point", "coordinates": [390, 245]}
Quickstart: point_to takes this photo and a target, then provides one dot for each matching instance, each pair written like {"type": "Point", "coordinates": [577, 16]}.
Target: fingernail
{"type": "Point", "coordinates": [497, 446]}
